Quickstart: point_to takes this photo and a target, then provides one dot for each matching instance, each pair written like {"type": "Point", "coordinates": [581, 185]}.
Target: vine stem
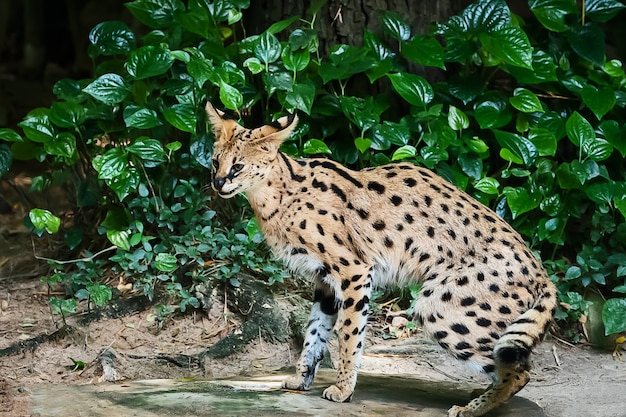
{"type": "Point", "coordinates": [87, 259]}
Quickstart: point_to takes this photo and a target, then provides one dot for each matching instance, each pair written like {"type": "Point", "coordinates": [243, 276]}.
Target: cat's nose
{"type": "Point", "coordinates": [218, 183]}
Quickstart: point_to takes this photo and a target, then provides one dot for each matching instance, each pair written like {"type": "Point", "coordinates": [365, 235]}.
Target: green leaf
{"type": "Point", "coordinates": [362, 144]}
{"type": "Point", "coordinates": [519, 147]}
{"type": "Point", "coordinates": [361, 112]}
{"type": "Point", "coordinates": [579, 130]}
{"type": "Point", "coordinates": [413, 88]}
{"type": "Point", "coordinates": [345, 61]}
{"type": "Point", "coordinates": [301, 96]}
{"type": "Point", "coordinates": [425, 50]}
{"type": "Point", "coordinates": [614, 68]}
{"type": "Point", "coordinates": [467, 87]}
{"type": "Point", "coordinates": [544, 140]}
{"type": "Point", "coordinates": [457, 120]}
{"type": "Point", "coordinates": [315, 146]}
{"type": "Point", "coordinates": [37, 127]}
{"type": "Point", "coordinates": [149, 61]}
{"type": "Point", "coordinates": [471, 164]}
{"type": "Point", "coordinates": [254, 65]}
{"type": "Point", "coordinates": [520, 200]}
{"type": "Point", "coordinates": [140, 117]}
{"type": "Point", "coordinates": [230, 96]}
{"type": "Point", "coordinates": [267, 48]}
{"type": "Point", "coordinates": [182, 117]}
{"type": "Point", "coordinates": [404, 152]}
{"type": "Point", "coordinates": [44, 220]}
{"type": "Point", "coordinates": [165, 262]}
{"type": "Point", "coordinates": [573, 272]}
{"type": "Point", "coordinates": [100, 294]}
{"type": "Point", "coordinates": [602, 10]}
{"type": "Point", "coordinates": [68, 89]}
{"type": "Point", "coordinates": [10, 135]}
{"type": "Point", "coordinates": [543, 69]}
{"type": "Point", "coordinates": [600, 193]}
{"type": "Point", "coordinates": [66, 114]}
{"type": "Point", "coordinates": [148, 150]}
{"type": "Point", "coordinates": [282, 25]}
{"type": "Point", "coordinates": [111, 163]}
{"type": "Point", "coordinates": [174, 146]}
{"type": "Point", "coordinates": [64, 144]}
{"type": "Point", "coordinates": [108, 88]}
{"type": "Point", "coordinates": [296, 60]}
{"type": "Point", "coordinates": [396, 26]}
{"type": "Point", "coordinates": [525, 101]}
{"type": "Point", "coordinates": [6, 159]}
{"type": "Point", "coordinates": [588, 42]}
{"type": "Point", "coordinates": [597, 149]}
{"type": "Point", "coordinates": [600, 101]}
{"type": "Point", "coordinates": [614, 316]}
{"type": "Point", "coordinates": [552, 13]}
{"type": "Point", "coordinates": [509, 45]}
{"type": "Point", "coordinates": [303, 38]}
{"type": "Point", "coordinates": [488, 185]}
{"type": "Point", "coordinates": [156, 13]}
{"type": "Point", "coordinates": [201, 150]}
{"type": "Point", "coordinates": [615, 135]}
{"type": "Point", "coordinates": [125, 182]}
{"type": "Point", "coordinates": [492, 113]}
{"type": "Point", "coordinates": [112, 38]}
{"type": "Point", "coordinates": [200, 69]}
{"type": "Point", "coordinates": [620, 204]}
{"type": "Point", "coordinates": [119, 238]}
{"type": "Point", "coordinates": [182, 56]}
{"type": "Point", "coordinates": [389, 133]}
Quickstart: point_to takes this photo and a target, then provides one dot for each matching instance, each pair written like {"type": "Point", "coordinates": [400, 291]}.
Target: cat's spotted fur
{"type": "Point", "coordinates": [485, 297]}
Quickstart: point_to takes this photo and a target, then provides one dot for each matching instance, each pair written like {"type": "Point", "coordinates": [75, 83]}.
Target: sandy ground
{"type": "Point", "coordinates": [570, 381]}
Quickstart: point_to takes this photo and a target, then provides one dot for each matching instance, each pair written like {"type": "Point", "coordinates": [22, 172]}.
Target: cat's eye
{"type": "Point", "coordinates": [237, 167]}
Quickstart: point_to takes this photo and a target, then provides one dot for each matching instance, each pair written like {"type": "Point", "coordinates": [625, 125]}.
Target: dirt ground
{"type": "Point", "coordinates": [572, 381]}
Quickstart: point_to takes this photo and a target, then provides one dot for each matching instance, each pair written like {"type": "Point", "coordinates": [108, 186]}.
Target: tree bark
{"type": "Point", "coordinates": [343, 21]}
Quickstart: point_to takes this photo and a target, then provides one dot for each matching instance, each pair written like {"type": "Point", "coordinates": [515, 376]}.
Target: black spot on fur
{"type": "Point", "coordinates": [460, 328]}
{"type": "Point", "coordinates": [376, 186]}
{"type": "Point", "coordinates": [378, 225]}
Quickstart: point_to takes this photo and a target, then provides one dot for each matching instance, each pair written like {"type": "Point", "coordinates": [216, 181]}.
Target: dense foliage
{"type": "Point", "coordinates": [529, 118]}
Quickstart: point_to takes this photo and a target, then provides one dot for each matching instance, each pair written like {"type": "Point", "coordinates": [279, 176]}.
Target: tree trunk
{"type": "Point", "coordinates": [343, 21]}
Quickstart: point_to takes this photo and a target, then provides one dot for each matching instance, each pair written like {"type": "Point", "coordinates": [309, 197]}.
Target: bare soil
{"type": "Point", "coordinates": [568, 380]}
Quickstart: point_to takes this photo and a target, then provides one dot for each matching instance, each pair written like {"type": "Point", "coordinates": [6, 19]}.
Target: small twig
{"type": "Point", "coordinates": [434, 368]}
{"type": "Point", "coordinates": [556, 356]}
{"type": "Point", "coordinates": [565, 342]}
{"type": "Point", "coordinates": [72, 261]}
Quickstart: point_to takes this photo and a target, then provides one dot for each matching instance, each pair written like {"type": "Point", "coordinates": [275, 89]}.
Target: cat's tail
{"type": "Point", "coordinates": [513, 348]}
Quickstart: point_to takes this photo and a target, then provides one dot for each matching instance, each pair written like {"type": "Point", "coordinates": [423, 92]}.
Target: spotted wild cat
{"type": "Point", "coordinates": [485, 298]}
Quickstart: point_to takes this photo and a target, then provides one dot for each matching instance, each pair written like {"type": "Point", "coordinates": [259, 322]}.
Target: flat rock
{"type": "Point", "coordinates": [261, 396]}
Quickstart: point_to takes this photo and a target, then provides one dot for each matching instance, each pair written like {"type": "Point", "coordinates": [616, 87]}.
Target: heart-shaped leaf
{"type": "Point", "coordinates": [108, 88]}
{"type": "Point", "coordinates": [112, 38]}
{"type": "Point", "coordinates": [396, 26]}
{"type": "Point", "coordinates": [519, 147]}
{"type": "Point", "coordinates": [525, 101]}
{"type": "Point", "coordinates": [362, 144]}
{"type": "Point", "coordinates": [600, 101]}
{"type": "Point", "coordinates": [425, 50]}
{"type": "Point", "coordinates": [413, 88]}
{"type": "Point", "coordinates": [182, 117]}
{"type": "Point", "coordinates": [149, 61]}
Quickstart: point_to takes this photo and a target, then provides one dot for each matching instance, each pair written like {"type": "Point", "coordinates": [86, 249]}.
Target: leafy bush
{"type": "Point", "coordinates": [528, 118]}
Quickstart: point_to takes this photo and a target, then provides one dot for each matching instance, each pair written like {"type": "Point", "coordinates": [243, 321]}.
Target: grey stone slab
{"type": "Point", "coordinates": [376, 395]}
